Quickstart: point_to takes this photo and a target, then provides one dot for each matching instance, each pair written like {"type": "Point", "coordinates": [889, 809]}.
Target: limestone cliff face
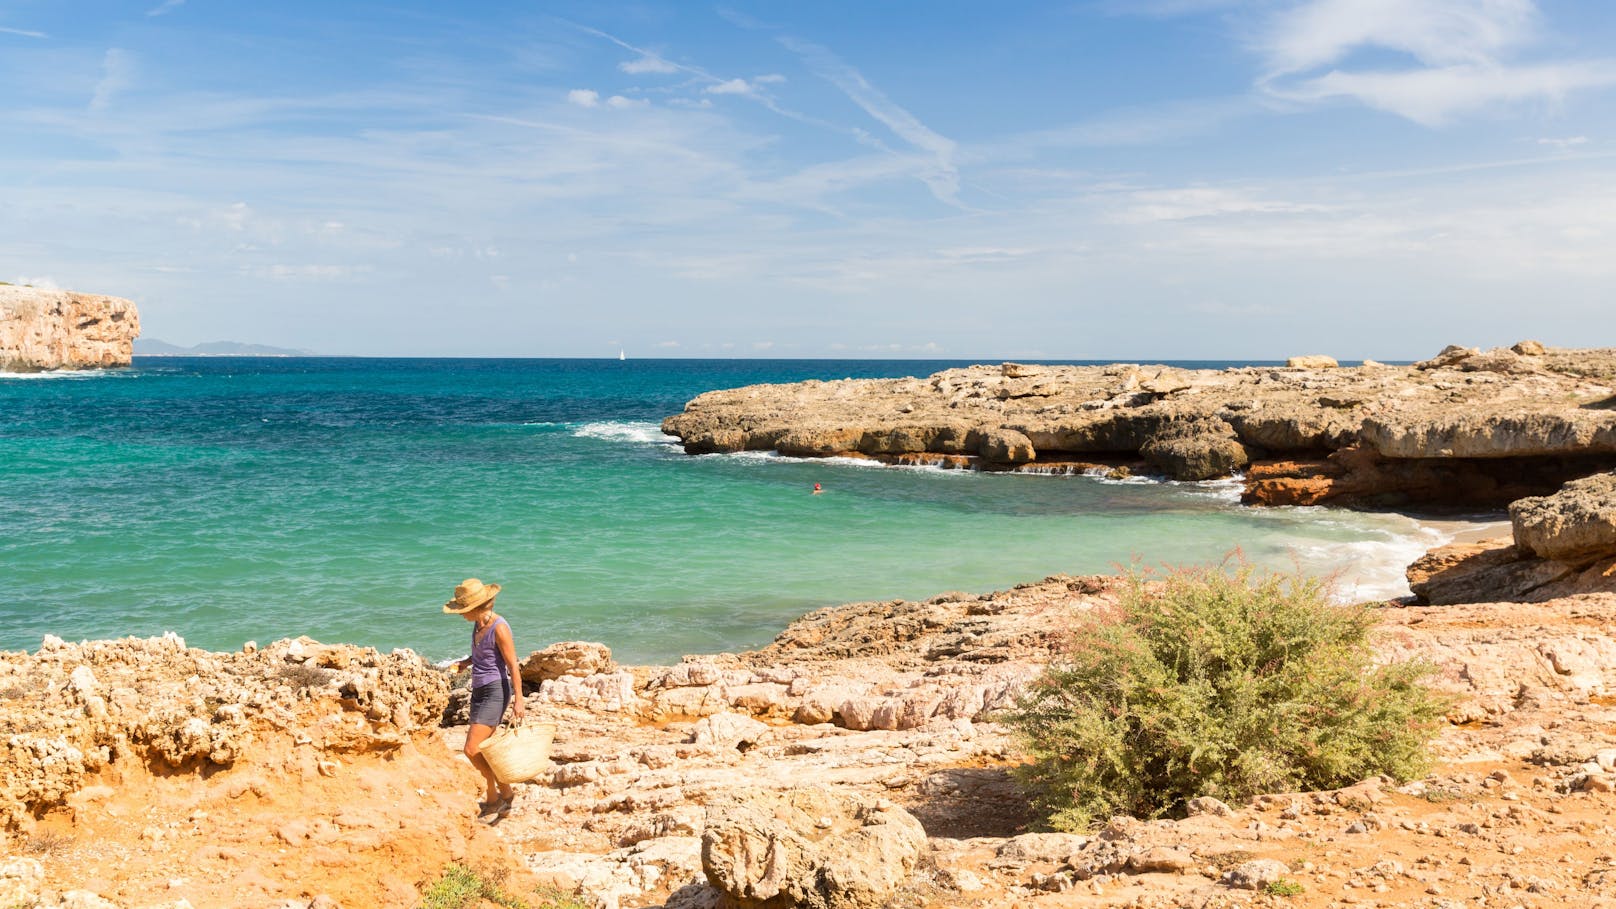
{"type": "Point", "coordinates": [60, 329]}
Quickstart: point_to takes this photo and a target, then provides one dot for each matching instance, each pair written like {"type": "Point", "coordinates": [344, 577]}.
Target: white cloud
{"type": "Point", "coordinates": [1564, 144]}
{"type": "Point", "coordinates": [23, 32]}
{"type": "Point", "coordinates": [731, 87]}
{"type": "Point", "coordinates": [167, 6]}
{"type": "Point", "coordinates": [584, 97]}
{"type": "Point", "coordinates": [1433, 97]}
{"type": "Point", "coordinates": [1460, 49]}
{"type": "Point", "coordinates": [1187, 203]}
{"type": "Point", "coordinates": [769, 79]}
{"type": "Point", "coordinates": [117, 73]}
{"type": "Point", "coordinates": [281, 272]}
{"type": "Point", "coordinates": [648, 63]}
{"type": "Point", "coordinates": [621, 103]}
{"type": "Point", "coordinates": [1435, 32]}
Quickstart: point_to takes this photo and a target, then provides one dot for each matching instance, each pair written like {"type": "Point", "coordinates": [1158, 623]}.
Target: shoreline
{"type": "Point", "coordinates": [1426, 533]}
{"type": "Point", "coordinates": [865, 703]}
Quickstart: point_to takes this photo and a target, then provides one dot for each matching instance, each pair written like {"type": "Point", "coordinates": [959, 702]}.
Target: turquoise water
{"type": "Point", "coordinates": [230, 500]}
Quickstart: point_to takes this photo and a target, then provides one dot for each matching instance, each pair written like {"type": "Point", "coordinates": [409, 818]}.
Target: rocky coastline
{"type": "Point", "coordinates": [857, 760]}
{"type": "Point", "coordinates": [1467, 428]}
{"type": "Point", "coordinates": [59, 329]}
{"type": "Point", "coordinates": [854, 761]}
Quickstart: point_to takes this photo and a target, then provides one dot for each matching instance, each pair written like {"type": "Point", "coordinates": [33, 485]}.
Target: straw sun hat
{"type": "Point", "coordinates": [470, 594]}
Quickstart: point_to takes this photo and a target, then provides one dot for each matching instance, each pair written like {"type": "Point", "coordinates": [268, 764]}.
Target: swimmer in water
{"type": "Point", "coordinates": [817, 490]}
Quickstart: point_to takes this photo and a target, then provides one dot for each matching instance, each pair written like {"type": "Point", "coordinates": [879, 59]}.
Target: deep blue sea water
{"type": "Point", "coordinates": [236, 499]}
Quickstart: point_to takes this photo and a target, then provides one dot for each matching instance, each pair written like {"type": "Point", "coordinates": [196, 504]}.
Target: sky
{"type": "Point", "coordinates": [1092, 179]}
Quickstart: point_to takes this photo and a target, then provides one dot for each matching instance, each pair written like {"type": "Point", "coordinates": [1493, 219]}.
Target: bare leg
{"type": "Point", "coordinates": [475, 736]}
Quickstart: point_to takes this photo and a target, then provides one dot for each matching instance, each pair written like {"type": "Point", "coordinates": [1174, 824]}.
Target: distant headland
{"type": "Point", "coordinates": [44, 329]}
{"type": "Point", "coordinates": [152, 347]}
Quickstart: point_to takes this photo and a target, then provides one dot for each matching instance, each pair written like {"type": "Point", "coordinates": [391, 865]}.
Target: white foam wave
{"type": "Point", "coordinates": [1370, 570]}
{"type": "Point", "coordinates": [854, 462]}
{"type": "Point", "coordinates": [1227, 489]}
{"type": "Point", "coordinates": [58, 374]}
{"type": "Point", "coordinates": [635, 433]}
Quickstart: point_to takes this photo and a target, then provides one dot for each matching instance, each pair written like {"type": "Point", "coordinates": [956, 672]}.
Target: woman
{"type": "Point", "coordinates": [494, 681]}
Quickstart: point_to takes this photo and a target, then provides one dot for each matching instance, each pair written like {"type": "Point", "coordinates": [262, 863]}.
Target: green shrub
{"type": "Point", "coordinates": [1215, 683]}
{"type": "Point", "coordinates": [1283, 886]}
{"type": "Point", "coordinates": [461, 887]}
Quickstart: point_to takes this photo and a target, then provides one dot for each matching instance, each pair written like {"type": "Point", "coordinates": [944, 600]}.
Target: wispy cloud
{"type": "Point", "coordinates": [117, 74]}
{"type": "Point", "coordinates": [1460, 56]}
{"type": "Point", "coordinates": [731, 87]}
{"type": "Point", "coordinates": [942, 177]}
{"type": "Point", "coordinates": [167, 6]}
{"type": "Point", "coordinates": [648, 63]}
{"type": "Point", "coordinates": [1187, 203]}
{"type": "Point", "coordinates": [1564, 144]}
{"type": "Point", "coordinates": [1433, 97]}
{"type": "Point", "coordinates": [26, 33]}
{"type": "Point", "coordinates": [1435, 32]}
{"type": "Point", "coordinates": [584, 97]}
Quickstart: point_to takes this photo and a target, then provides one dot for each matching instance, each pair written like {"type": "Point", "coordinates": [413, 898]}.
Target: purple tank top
{"type": "Point", "coordinates": [486, 666]}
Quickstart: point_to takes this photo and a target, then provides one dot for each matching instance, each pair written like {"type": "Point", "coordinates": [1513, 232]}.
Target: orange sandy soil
{"type": "Point", "coordinates": [1491, 833]}
{"type": "Point", "coordinates": [271, 830]}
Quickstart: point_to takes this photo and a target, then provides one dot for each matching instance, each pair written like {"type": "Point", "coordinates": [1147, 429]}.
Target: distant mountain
{"type": "Point", "coordinates": [152, 347]}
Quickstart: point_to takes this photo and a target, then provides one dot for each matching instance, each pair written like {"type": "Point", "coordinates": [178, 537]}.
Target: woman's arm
{"type": "Point", "coordinates": [507, 652]}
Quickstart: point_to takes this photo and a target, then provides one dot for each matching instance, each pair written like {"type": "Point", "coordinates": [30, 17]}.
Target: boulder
{"type": "Point", "coordinates": [1196, 450]}
{"type": "Point", "coordinates": [1575, 525]}
{"type": "Point", "coordinates": [809, 848]}
{"type": "Point", "coordinates": [1491, 571]}
{"type": "Point", "coordinates": [1311, 362]}
{"type": "Point", "coordinates": [59, 329]}
{"type": "Point", "coordinates": [577, 659]}
{"type": "Point", "coordinates": [1500, 360]}
{"type": "Point", "coordinates": [1451, 355]}
{"type": "Point", "coordinates": [1530, 348]}
{"type": "Point", "coordinates": [1005, 446]}
{"type": "Point", "coordinates": [727, 732]}
{"type": "Point", "coordinates": [1256, 874]}
{"type": "Point", "coordinates": [21, 880]}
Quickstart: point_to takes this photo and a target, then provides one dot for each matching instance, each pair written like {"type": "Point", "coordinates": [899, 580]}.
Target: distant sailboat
{"type": "Point", "coordinates": [621, 355]}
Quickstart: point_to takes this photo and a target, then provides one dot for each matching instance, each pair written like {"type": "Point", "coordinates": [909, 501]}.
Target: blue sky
{"type": "Point", "coordinates": [1096, 179]}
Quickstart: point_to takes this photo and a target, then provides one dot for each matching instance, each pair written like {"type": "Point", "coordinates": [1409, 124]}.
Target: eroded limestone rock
{"type": "Point", "coordinates": [809, 848]}
{"type": "Point", "coordinates": [59, 329]}
{"type": "Point", "coordinates": [1576, 524]}
{"type": "Point", "coordinates": [72, 710]}
{"type": "Point", "coordinates": [1464, 428]}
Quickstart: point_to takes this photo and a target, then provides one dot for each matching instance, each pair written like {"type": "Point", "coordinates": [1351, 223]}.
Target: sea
{"type": "Point", "coordinates": [236, 499]}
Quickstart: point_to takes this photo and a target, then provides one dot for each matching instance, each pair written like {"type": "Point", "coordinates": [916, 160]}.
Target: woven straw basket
{"type": "Point", "coordinates": [519, 753]}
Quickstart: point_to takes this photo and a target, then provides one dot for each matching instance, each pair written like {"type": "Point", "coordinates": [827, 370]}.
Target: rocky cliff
{"type": "Point", "coordinates": [60, 329]}
{"type": "Point", "coordinates": [1466, 427]}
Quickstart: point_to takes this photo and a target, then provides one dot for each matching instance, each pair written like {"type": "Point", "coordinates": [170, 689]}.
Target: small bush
{"type": "Point", "coordinates": [1283, 886]}
{"type": "Point", "coordinates": [1215, 683]}
{"type": "Point", "coordinates": [461, 887]}
{"type": "Point", "coordinates": [303, 676]}
{"type": "Point", "coordinates": [48, 842]}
